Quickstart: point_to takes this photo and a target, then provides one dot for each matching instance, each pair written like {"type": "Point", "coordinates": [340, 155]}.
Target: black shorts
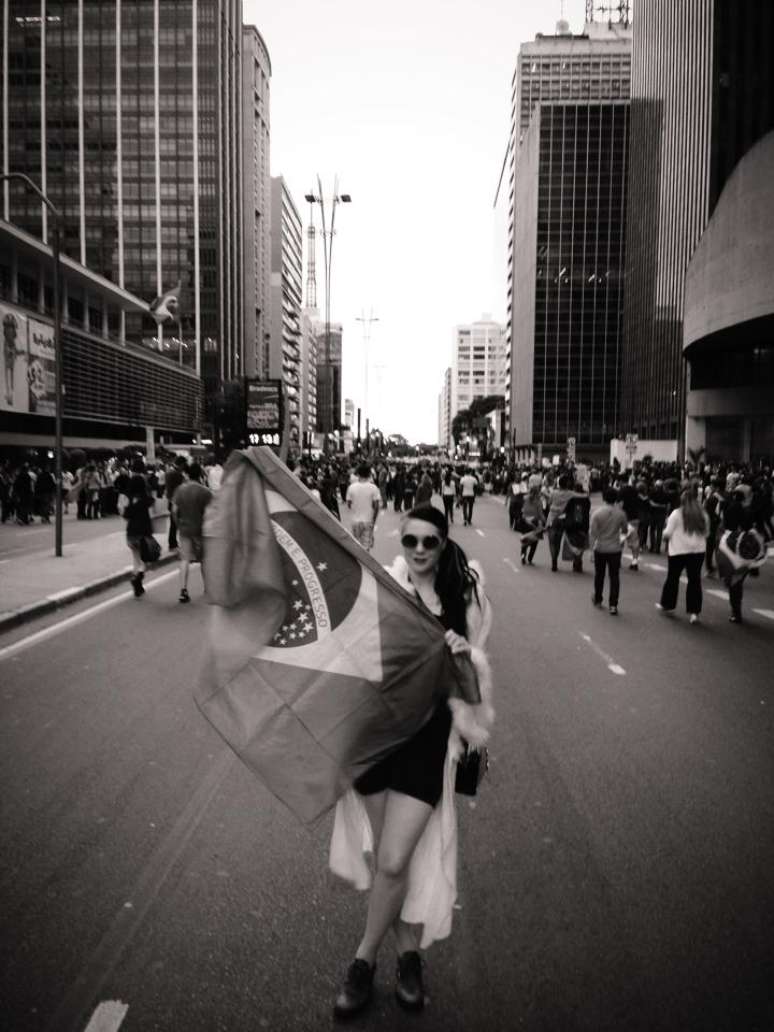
{"type": "Point", "coordinates": [417, 767]}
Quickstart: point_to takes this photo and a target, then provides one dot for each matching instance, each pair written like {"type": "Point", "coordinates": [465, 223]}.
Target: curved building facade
{"type": "Point", "coordinates": [728, 337]}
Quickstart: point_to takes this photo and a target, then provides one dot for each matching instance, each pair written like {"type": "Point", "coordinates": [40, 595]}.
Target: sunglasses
{"type": "Point", "coordinates": [428, 543]}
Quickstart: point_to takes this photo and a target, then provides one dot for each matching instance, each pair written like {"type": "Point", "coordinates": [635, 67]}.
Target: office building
{"type": "Point", "coordinates": [478, 363]}
{"type": "Point", "coordinates": [128, 116]}
{"type": "Point", "coordinates": [445, 412]}
{"type": "Point", "coordinates": [116, 393]}
{"type": "Point", "coordinates": [569, 154]}
{"type": "Point", "coordinates": [329, 378]}
{"type": "Point", "coordinates": [702, 96]}
{"type": "Point", "coordinates": [308, 372]}
{"type": "Point", "coordinates": [286, 300]}
{"type": "Point", "coordinates": [256, 182]}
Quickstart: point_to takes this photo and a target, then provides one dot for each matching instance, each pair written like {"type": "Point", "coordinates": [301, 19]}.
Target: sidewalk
{"type": "Point", "coordinates": [36, 583]}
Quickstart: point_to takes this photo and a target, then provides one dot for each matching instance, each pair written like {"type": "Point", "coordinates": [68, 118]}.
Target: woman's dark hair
{"type": "Point", "coordinates": [455, 583]}
{"type": "Point", "coordinates": [447, 477]}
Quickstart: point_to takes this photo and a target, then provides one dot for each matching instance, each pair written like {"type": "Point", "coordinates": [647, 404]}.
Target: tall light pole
{"type": "Point", "coordinates": [367, 321]}
{"type": "Point", "coordinates": [328, 235]}
{"type": "Point", "coordinates": [58, 393]}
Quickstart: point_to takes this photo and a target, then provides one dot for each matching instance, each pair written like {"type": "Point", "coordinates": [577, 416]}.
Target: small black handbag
{"type": "Point", "coordinates": [150, 549]}
{"type": "Point", "coordinates": [471, 768]}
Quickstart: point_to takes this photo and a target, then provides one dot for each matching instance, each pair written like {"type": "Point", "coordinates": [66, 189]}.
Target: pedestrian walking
{"type": "Point", "coordinates": [138, 526]}
{"type": "Point", "coordinates": [404, 805]}
{"type": "Point", "coordinates": [468, 486]}
{"type": "Point", "coordinates": [424, 495]}
{"type": "Point", "coordinates": [364, 501]}
{"type": "Point", "coordinates": [188, 506]}
{"type": "Point", "coordinates": [686, 534]}
{"type": "Point", "coordinates": [607, 533]}
{"type": "Point", "coordinates": [173, 478]}
{"type": "Point", "coordinates": [448, 494]}
{"type": "Point", "coordinates": [531, 525]}
{"type": "Point", "coordinates": [659, 502]}
{"type": "Point", "coordinates": [741, 549]}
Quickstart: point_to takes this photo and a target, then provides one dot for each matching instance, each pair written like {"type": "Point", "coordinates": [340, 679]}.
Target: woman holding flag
{"type": "Point", "coordinates": [402, 809]}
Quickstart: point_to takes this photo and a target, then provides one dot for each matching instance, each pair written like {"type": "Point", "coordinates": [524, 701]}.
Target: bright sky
{"type": "Point", "coordinates": [409, 102]}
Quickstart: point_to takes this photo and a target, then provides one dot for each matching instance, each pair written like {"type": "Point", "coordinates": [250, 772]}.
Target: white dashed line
{"type": "Point", "coordinates": [717, 593]}
{"type": "Point", "coordinates": [108, 1016]}
{"type": "Point", "coordinates": [480, 532]}
{"type": "Point", "coordinates": [511, 564]}
{"type": "Point", "coordinates": [768, 613]}
{"type": "Point", "coordinates": [612, 666]}
{"type": "Point", "coordinates": [655, 566]}
{"type": "Point", "coordinates": [393, 533]}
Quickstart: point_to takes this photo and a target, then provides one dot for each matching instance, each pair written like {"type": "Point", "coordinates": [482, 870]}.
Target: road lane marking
{"type": "Point", "coordinates": [717, 593]}
{"type": "Point", "coordinates": [393, 533]}
{"type": "Point", "coordinates": [71, 621]}
{"type": "Point", "coordinates": [480, 532]}
{"type": "Point", "coordinates": [611, 664]}
{"type": "Point", "coordinates": [151, 879]}
{"type": "Point", "coordinates": [768, 613]}
{"type": "Point", "coordinates": [655, 566]}
{"type": "Point", "coordinates": [108, 1017]}
{"type": "Point", "coordinates": [510, 562]}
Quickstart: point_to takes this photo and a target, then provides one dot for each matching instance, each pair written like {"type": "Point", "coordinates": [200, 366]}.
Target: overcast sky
{"type": "Point", "coordinates": [409, 102]}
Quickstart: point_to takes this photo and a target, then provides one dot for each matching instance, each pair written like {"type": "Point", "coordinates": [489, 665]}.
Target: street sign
{"type": "Point", "coordinates": [571, 449]}
{"type": "Point", "coordinates": [263, 411]}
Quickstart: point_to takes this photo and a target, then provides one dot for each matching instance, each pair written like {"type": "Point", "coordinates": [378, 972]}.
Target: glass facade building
{"type": "Point", "coordinates": [702, 94]}
{"type": "Point", "coordinates": [127, 113]}
{"type": "Point", "coordinates": [568, 196]}
{"type": "Point", "coordinates": [286, 303]}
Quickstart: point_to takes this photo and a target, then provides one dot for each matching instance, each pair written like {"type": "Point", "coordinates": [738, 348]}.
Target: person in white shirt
{"type": "Point", "coordinates": [468, 485]}
{"type": "Point", "coordinates": [364, 502]}
{"type": "Point", "coordinates": [686, 531]}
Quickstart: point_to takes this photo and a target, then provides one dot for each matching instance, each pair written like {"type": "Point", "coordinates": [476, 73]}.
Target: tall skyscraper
{"type": "Point", "coordinates": [702, 95]}
{"type": "Point", "coordinates": [478, 363]}
{"type": "Point", "coordinates": [569, 152]}
{"type": "Point", "coordinates": [256, 178]}
{"type": "Point", "coordinates": [445, 412]}
{"type": "Point", "coordinates": [286, 299]}
{"type": "Point", "coordinates": [329, 378]}
{"type": "Point", "coordinates": [128, 115]}
{"type": "Point", "coordinates": [308, 389]}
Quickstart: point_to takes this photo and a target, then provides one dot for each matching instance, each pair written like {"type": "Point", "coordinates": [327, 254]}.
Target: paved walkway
{"type": "Point", "coordinates": [34, 581]}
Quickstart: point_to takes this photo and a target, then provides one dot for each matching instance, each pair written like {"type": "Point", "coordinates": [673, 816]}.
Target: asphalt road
{"type": "Point", "coordinates": [616, 871]}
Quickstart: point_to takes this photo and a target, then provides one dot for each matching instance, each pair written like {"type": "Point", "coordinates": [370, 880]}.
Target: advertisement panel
{"type": "Point", "coordinates": [263, 411]}
{"type": "Point", "coordinates": [41, 371]}
{"type": "Point", "coordinates": [14, 396]}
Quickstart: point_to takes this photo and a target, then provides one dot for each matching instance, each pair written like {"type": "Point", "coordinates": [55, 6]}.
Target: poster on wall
{"type": "Point", "coordinates": [14, 392]}
{"type": "Point", "coordinates": [41, 371]}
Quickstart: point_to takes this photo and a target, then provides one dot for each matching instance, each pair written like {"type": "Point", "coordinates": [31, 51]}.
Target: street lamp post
{"type": "Point", "coordinates": [328, 258]}
{"type": "Point", "coordinates": [58, 393]}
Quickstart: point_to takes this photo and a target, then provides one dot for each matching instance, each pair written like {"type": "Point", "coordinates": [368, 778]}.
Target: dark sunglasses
{"type": "Point", "coordinates": [428, 543]}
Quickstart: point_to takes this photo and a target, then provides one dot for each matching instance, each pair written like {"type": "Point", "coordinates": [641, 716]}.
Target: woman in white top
{"type": "Point", "coordinates": [686, 533]}
{"type": "Point", "coordinates": [402, 810]}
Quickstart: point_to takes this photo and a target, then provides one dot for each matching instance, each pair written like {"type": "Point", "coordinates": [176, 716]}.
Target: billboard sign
{"type": "Point", "coordinates": [14, 392]}
{"type": "Point", "coordinates": [41, 369]}
{"type": "Point", "coordinates": [571, 450]}
{"type": "Point", "coordinates": [263, 411]}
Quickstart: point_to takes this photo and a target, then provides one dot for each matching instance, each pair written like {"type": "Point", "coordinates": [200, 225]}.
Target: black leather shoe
{"type": "Point", "coordinates": [410, 989]}
{"type": "Point", "coordinates": [357, 989]}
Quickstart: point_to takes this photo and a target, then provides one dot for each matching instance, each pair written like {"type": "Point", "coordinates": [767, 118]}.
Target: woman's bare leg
{"type": "Point", "coordinates": [405, 934]}
{"type": "Point", "coordinates": [405, 819]}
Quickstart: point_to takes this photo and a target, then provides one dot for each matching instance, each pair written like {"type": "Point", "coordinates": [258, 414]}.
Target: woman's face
{"type": "Point", "coordinates": [422, 545]}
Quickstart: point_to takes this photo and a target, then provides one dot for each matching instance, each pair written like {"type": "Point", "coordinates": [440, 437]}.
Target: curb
{"type": "Point", "coordinates": [64, 598]}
